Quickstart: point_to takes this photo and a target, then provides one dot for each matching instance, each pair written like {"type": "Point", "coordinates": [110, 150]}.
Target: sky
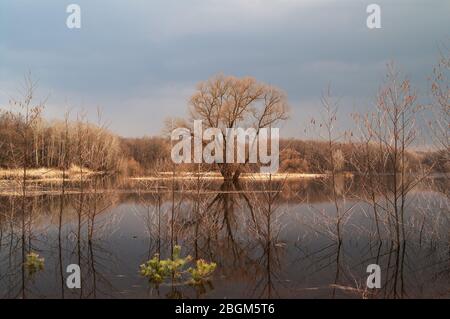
{"type": "Point", "coordinates": [139, 61]}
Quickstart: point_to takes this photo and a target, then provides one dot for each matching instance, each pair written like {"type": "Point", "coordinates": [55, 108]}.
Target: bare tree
{"type": "Point", "coordinates": [440, 89]}
{"type": "Point", "coordinates": [326, 128]}
{"type": "Point", "coordinates": [65, 147]}
{"type": "Point", "coordinates": [229, 102]}
{"type": "Point", "coordinates": [29, 114]}
{"type": "Point", "coordinates": [366, 160]}
{"type": "Point", "coordinates": [394, 132]}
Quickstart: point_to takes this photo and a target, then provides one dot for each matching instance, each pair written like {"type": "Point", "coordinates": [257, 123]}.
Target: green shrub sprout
{"type": "Point", "coordinates": [157, 270]}
{"type": "Point", "coordinates": [34, 263]}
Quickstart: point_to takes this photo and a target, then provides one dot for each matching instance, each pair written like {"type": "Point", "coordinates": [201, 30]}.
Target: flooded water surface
{"type": "Point", "coordinates": [268, 240]}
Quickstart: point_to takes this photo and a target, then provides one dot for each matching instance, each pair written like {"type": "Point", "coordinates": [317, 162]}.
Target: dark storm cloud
{"type": "Point", "coordinates": [140, 60]}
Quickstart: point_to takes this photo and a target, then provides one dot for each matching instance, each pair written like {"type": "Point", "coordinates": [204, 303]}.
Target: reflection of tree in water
{"type": "Point", "coordinates": [18, 219]}
{"type": "Point", "coordinates": [245, 215]}
{"type": "Point", "coordinates": [412, 268]}
{"type": "Point", "coordinates": [54, 235]}
{"type": "Point", "coordinates": [268, 228]}
{"type": "Point", "coordinates": [235, 226]}
{"type": "Point", "coordinates": [243, 234]}
{"type": "Point", "coordinates": [223, 208]}
{"type": "Point", "coordinates": [92, 253]}
{"type": "Point", "coordinates": [232, 229]}
{"type": "Point", "coordinates": [217, 232]}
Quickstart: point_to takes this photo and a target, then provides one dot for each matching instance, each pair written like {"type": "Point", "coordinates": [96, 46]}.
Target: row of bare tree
{"type": "Point", "coordinates": [28, 140]}
{"type": "Point", "coordinates": [382, 138]}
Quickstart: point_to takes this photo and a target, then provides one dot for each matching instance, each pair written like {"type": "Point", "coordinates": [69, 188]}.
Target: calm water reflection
{"type": "Point", "coordinates": [270, 242]}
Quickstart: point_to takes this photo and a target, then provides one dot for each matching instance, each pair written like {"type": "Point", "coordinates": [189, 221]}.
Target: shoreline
{"type": "Point", "coordinates": [218, 176]}
{"type": "Point", "coordinates": [45, 174]}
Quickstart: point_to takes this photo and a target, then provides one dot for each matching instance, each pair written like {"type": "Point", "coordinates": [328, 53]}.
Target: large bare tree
{"type": "Point", "coordinates": [230, 102]}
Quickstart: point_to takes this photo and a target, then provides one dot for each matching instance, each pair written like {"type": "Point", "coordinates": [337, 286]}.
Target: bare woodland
{"type": "Point", "coordinates": [374, 172]}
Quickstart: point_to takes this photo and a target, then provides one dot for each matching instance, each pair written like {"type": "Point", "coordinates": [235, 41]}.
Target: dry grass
{"type": "Point", "coordinates": [44, 173]}
{"type": "Point", "coordinates": [218, 176]}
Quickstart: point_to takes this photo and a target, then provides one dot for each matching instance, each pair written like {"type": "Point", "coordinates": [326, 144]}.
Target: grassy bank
{"type": "Point", "coordinates": [218, 176]}
{"type": "Point", "coordinates": [44, 173]}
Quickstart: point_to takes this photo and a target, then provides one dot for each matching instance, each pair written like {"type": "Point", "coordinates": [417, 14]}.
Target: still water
{"type": "Point", "coordinates": [268, 242]}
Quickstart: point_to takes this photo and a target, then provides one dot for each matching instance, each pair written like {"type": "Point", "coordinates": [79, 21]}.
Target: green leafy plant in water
{"type": "Point", "coordinates": [34, 263]}
{"type": "Point", "coordinates": [201, 272]}
{"type": "Point", "coordinates": [157, 270]}
{"type": "Point", "coordinates": [177, 263]}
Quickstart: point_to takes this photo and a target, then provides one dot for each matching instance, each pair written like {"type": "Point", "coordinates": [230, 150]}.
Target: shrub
{"type": "Point", "coordinates": [157, 270]}
{"type": "Point", "coordinates": [34, 263]}
{"type": "Point", "coordinates": [202, 271]}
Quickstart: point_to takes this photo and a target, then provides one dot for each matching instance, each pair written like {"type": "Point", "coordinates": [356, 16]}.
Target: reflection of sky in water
{"type": "Point", "coordinates": [302, 262]}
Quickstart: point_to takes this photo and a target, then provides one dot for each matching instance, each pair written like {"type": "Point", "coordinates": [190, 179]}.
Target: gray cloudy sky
{"type": "Point", "coordinates": [140, 60]}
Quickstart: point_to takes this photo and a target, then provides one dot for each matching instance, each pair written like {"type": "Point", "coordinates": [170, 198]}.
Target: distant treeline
{"type": "Point", "coordinates": [56, 144]}
{"type": "Point", "coordinates": [296, 156]}
{"type": "Point", "coordinates": [59, 143]}
{"type": "Point", "coordinates": [311, 156]}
